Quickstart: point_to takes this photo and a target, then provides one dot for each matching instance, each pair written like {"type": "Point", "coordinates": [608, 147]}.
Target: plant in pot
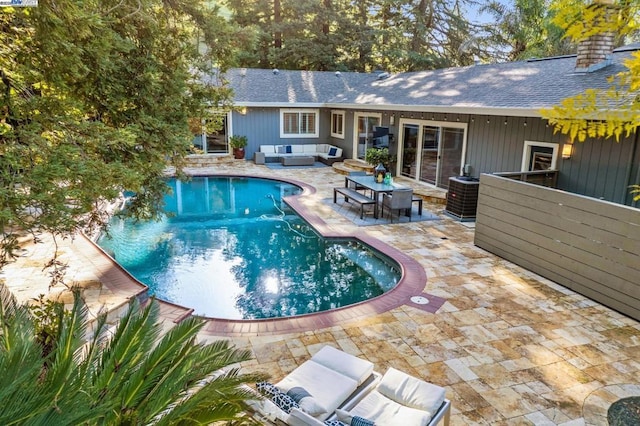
{"type": "Point", "coordinates": [380, 159]}
{"type": "Point", "coordinates": [238, 143]}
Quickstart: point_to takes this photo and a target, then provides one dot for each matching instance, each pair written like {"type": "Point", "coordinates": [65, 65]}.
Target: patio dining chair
{"type": "Point", "coordinates": [398, 200]}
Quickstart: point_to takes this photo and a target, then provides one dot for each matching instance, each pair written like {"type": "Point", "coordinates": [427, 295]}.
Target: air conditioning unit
{"type": "Point", "coordinates": [462, 198]}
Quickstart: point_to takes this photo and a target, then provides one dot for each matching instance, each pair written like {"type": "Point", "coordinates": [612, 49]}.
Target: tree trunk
{"type": "Point", "coordinates": [277, 19]}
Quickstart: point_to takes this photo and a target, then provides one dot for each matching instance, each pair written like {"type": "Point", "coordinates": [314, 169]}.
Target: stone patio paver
{"type": "Point", "coordinates": [510, 347]}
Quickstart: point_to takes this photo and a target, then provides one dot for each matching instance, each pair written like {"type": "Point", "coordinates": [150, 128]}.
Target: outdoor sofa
{"type": "Point", "coordinates": [337, 387]}
{"type": "Point", "coordinates": [326, 153]}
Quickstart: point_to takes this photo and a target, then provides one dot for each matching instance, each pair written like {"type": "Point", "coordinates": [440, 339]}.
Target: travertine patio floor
{"type": "Point", "coordinates": [509, 346]}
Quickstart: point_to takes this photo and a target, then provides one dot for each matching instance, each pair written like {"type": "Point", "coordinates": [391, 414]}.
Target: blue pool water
{"type": "Point", "coordinates": [231, 248]}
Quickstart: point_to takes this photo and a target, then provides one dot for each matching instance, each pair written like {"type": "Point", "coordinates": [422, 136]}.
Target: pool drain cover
{"type": "Point", "coordinates": [420, 300]}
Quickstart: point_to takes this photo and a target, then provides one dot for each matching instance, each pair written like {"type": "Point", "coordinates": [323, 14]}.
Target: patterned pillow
{"type": "Point", "coordinates": [284, 402]}
{"type": "Point", "coordinates": [267, 389]}
{"type": "Point", "coordinates": [361, 421]}
{"type": "Point", "coordinates": [346, 418]}
{"type": "Point", "coordinates": [281, 149]}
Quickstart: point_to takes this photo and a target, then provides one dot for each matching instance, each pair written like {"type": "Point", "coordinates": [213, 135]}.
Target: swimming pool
{"type": "Point", "coordinates": [231, 248]}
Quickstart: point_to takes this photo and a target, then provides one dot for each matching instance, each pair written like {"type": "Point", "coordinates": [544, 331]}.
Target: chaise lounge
{"type": "Point", "coordinates": [329, 378]}
{"type": "Point", "coordinates": [337, 387]}
{"type": "Point", "coordinates": [399, 400]}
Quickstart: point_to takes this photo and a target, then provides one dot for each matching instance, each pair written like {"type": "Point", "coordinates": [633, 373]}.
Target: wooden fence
{"type": "Point", "coordinates": [539, 177]}
{"type": "Point", "coordinates": [588, 245]}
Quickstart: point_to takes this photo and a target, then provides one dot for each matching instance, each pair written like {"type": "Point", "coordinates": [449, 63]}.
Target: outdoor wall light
{"type": "Point", "coordinates": [243, 110]}
{"type": "Point", "coordinates": [567, 150]}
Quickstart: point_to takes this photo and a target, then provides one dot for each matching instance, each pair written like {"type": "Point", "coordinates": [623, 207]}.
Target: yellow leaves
{"type": "Point", "coordinates": [632, 78]}
{"type": "Point", "coordinates": [582, 19]}
{"type": "Point", "coordinates": [602, 113]}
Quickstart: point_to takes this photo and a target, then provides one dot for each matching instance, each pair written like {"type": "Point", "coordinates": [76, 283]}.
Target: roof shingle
{"type": "Point", "coordinates": [524, 85]}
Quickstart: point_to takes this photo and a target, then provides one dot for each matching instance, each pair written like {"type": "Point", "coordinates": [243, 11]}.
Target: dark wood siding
{"type": "Point", "coordinates": [262, 127]}
{"type": "Point", "coordinates": [588, 245]}
{"type": "Point", "coordinates": [598, 168]}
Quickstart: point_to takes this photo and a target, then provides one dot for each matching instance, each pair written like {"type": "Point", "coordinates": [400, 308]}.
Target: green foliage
{"type": "Point", "coordinates": [47, 319]}
{"type": "Point", "coordinates": [96, 98]}
{"type": "Point", "coordinates": [523, 29]}
{"type": "Point", "coordinates": [133, 375]}
{"type": "Point", "coordinates": [238, 141]}
{"type": "Point", "coordinates": [375, 156]}
{"type": "Point", "coordinates": [364, 36]}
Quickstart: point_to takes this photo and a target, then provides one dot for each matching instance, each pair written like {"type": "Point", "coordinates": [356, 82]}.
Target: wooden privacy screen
{"type": "Point", "coordinates": [588, 245]}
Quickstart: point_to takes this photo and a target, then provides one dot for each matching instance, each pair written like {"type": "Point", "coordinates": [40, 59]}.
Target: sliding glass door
{"type": "Point", "coordinates": [430, 154]}
{"type": "Point", "coordinates": [213, 136]}
{"type": "Point", "coordinates": [409, 161]}
{"type": "Point", "coordinates": [452, 143]}
{"type": "Point", "coordinates": [365, 124]}
{"type": "Point", "coordinates": [441, 149]}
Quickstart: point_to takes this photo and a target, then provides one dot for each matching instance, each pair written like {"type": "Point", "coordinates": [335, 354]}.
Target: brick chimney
{"type": "Point", "coordinates": [594, 51]}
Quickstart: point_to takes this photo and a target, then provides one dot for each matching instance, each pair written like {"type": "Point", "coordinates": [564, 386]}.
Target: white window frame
{"type": "Point", "coordinates": [337, 128]}
{"type": "Point", "coordinates": [526, 154]}
{"type": "Point", "coordinates": [299, 112]}
{"type": "Point", "coordinates": [356, 116]}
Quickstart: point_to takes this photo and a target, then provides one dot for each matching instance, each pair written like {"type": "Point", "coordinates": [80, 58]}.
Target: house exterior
{"type": "Point", "coordinates": [441, 123]}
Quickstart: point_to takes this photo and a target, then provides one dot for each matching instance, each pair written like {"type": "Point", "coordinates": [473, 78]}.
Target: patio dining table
{"type": "Point", "coordinates": [369, 182]}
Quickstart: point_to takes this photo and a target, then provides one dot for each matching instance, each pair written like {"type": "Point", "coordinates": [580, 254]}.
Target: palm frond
{"type": "Point", "coordinates": [135, 334]}
{"type": "Point", "coordinates": [21, 363]}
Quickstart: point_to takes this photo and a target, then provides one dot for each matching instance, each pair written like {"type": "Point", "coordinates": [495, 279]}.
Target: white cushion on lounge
{"type": "Point", "coordinates": [329, 388]}
{"type": "Point", "coordinates": [383, 411]}
{"type": "Point", "coordinates": [310, 148]}
{"type": "Point", "coordinates": [299, 418]}
{"type": "Point", "coordinates": [356, 368]}
{"type": "Point", "coordinates": [411, 391]}
{"type": "Point", "coordinates": [297, 149]}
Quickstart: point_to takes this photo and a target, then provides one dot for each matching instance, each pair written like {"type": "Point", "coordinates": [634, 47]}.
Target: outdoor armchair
{"type": "Point", "coordinates": [397, 200]}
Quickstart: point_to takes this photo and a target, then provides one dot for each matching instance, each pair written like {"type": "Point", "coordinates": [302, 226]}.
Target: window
{"type": "Point", "coordinates": [337, 124]}
{"type": "Point", "coordinates": [539, 156]}
{"type": "Point", "coordinates": [300, 123]}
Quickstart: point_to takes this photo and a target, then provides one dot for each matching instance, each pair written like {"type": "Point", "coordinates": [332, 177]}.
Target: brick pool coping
{"type": "Point", "coordinates": [412, 283]}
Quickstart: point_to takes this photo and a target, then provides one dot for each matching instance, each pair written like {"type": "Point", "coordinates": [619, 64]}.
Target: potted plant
{"type": "Point", "coordinates": [376, 156]}
{"type": "Point", "coordinates": [238, 143]}
{"type": "Point", "coordinates": [379, 158]}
